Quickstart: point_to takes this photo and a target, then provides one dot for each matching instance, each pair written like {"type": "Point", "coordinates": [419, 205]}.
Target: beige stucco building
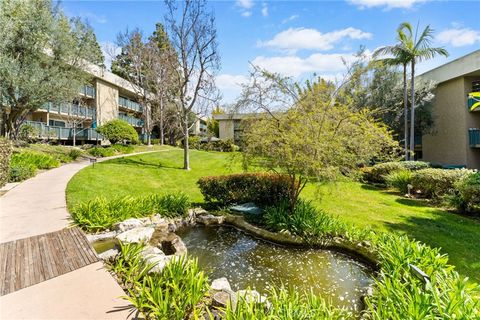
{"type": "Point", "coordinates": [455, 140]}
{"type": "Point", "coordinates": [107, 97]}
{"type": "Point", "coordinates": [230, 126]}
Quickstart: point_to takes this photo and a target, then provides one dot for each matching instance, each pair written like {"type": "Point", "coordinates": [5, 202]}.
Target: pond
{"type": "Point", "coordinates": [247, 262]}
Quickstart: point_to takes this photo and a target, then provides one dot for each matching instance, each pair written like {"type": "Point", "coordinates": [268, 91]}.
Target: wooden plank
{"type": "Point", "coordinates": [17, 275]}
{"type": "Point", "coordinates": [85, 246]}
{"type": "Point", "coordinates": [71, 249]}
{"type": "Point", "coordinates": [31, 269]}
{"type": "Point", "coordinates": [3, 265]}
{"type": "Point", "coordinates": [65, 252]}
{"type": "Point", "coordinates": [57, 253]}
{"type": "Point", "coordinates": [49, 257]}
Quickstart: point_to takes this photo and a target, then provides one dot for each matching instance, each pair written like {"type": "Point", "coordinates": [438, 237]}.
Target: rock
{"type": "Point", "coordinates": [247, 208]}
{"type": "Point", "coordinates": [101, 236]}
{"type": "Point", "coordinates": [128, 224]}
{"type": "Point", "coordinates": [210, 219]}
{"type": "Point", "coordinates": [108, 255]}
{"type": "Point", "coordinates": [136, 235]}
{"type": "Point", "coordinates": [221, 284]}
{"type": "Point", "coordinates": [222, 298]}
{"type": "Point", "coordinates": [157, 219]}
{"type": "Point", "coordinates": [251, 296]}
{"type": "Point", "coordinates": [155, 257]}
{"type": "Point", "coordinates": [179, 247]}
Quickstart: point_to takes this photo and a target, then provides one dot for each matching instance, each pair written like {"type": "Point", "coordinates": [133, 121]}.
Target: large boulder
{"type": "Point", "coordinates": [108, 255]}
{"type": "Point", "coordinates": [128, 224]}
{"type": "Point", "coordinates": [179, 246]}
{"type": "Point", "coordinates": [136, 235]}
{"type": "Point", "coordinates": [220, 284]}
{"type": "Point", "coordinates": [154, 256]}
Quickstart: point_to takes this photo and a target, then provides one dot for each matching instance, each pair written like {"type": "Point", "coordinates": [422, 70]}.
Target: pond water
{"type": "Point", "coordinates": [248, 262]}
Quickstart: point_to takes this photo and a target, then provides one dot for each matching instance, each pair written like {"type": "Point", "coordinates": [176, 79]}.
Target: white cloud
{"type": "Point", "coordinates": [388, 4]}
{"type": "Point", "coordinates": [264, 9]}
{"type": "Point", "coordinates": [230, 82]}
{"type": "Point", "coordinates": [302, 38]}
{"type": "Point", "coordinates": [459, 37]}
{"type": "Point", "coordinates": [246, 13]}
{"type": "Point", "coordinates": [291, 18]}
{"type": "Point", "coordinates": [295, 66]}
{"type": "Point", "coordinates": [245, 4]}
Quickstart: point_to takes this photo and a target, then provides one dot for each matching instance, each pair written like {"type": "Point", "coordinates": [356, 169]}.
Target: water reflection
{"type": "Point", "coordinates": [248, 262]}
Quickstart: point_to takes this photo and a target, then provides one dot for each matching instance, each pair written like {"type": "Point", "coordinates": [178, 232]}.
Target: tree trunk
{"type": "Point", "coordinates": [74, 134]}
{"type": "Point", "coordinates": [412, 111]}
{"type": "Point", "coordinates": [186, 155]}
{"type": "Point", "coordinates": [405, 110]}
{"type": "Point", "coordinates": [161, 122]}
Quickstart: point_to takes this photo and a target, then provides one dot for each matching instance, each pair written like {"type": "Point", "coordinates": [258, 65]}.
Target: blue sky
{"type": "Point", "coordinates": [297, 38]}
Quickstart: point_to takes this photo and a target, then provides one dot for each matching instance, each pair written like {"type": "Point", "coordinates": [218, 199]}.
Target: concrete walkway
{"type": "Point", "coordinates": [38, 206]}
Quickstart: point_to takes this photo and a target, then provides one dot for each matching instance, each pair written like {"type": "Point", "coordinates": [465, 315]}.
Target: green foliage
{"type": "Point", "coordinates": [467, 195]}
{"type": "Point", "coordinates": [101, 152]}
{"type": "Point", "coordinates": [5, 154]}
{"type": "Point", "coordinates": [435, 183]}
{"type": "Point", "coordinates": [260, 188]}
{"type": "Point", "coordinates": [61, 153]}
{"type": "Point", "coordinates": [399, 180]}
{"type": "Point", "coordinates": [101, 213]}
{"type": "Point", "coordinates": [378, 172]}
{"type": "Point", "coordinates": [118, 131]}
{"type": "Point", "coordinates": [286, 304]}
{"type": "Point", "coordinates": [24, 164]}
{"type": "Point", "coordinates": [415, 165]}
{"type": "Point", "coordinates": [194, 142]}
{"type": "Point", "coordinates": [74, 154]}
{"type": "Point", "coordinates": [305, 220]}
{"type": "Point", "coordinates": [176, 293]}
{"type": "Point", "coordinates": [30, 77]}
{"type": "Point", "coordinates": [123, 149]}
{"type": "Point", "coordinates": [27, 133]}
{"type": "Point", "coordinates": [221, 146]}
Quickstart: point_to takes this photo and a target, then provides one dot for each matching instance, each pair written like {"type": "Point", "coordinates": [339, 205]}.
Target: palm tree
{"type": "Point", "coordinates": [399, 57]}
{"type": "Point", "coordinates": [417, 49]}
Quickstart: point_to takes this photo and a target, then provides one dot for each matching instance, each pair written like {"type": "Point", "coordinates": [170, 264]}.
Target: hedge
{"type": "Point", "coordinates": [260, 188]}
{"type": "Point", "coordinates": [435, 183]}
{"type": "Point", "coordinates": [378, 172]}
{"type": "Point", "coordinates": [467, 197]}
{"type": "Point", "coordinates": [5, 154]}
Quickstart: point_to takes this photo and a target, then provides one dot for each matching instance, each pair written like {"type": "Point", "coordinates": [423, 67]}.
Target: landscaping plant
{"type": "Point", "coordinates": [5, 154]}
{"type": "Point", "coordinates": [436, 183]}
{"type": "Point", "coordinates": [467, 193]}
{"type": "Point", "coordinates": [399, 180]}
{"type": "Point", "coordinates": [118, 131]}
{"type": "Point", "coordinates": [24, 164]}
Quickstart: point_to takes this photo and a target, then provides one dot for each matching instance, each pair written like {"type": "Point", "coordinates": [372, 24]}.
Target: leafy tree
{"type": "Point", "coordinates": [213, 126]}
{"type": "Point", "coordinates": [42, 58]}
{"type": "Point", "coordinates": [118, 131]}
{"type": "Point", "coordinates": [318, 137]}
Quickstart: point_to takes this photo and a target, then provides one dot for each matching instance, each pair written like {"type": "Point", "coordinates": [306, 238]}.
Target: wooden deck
{"type": "Point", "coordinates": [29, 261]}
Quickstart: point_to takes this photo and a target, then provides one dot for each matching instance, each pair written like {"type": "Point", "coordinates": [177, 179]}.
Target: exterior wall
{"type": "Point", "coordinates": [225, 128]}
{"type": "Point", "coordinates": [106, 102]}
{"type": "Point", "coordinates": [449, 142]}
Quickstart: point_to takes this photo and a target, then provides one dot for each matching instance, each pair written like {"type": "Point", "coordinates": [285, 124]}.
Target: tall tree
{"type": "Point", "coordinates": [417, 48]}
{"type": "Point", "coordinates": [42, 58]}
{"type": "Point", "coordinates": [193, 36]}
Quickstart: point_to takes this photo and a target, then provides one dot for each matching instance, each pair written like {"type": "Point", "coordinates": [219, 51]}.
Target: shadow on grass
{"type": "Point", "coordinates": [456, 235]}
{"type": "Point", "coordinates": [371, 187]}
{"type": "Point", "coordinates": [412, 202]}
{"type": "Point", "coordinates": [139, 162]}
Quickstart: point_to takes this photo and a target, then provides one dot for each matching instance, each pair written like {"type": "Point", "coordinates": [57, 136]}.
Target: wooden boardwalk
{"type": "Point", "coordinates": [29, 261]}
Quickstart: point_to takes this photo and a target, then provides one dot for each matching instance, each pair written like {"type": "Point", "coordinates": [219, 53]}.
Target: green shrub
{"type": "Point", "coordinates": [123, 149]}
{"type": "Point", "coordinates": [5, 154]}
{"type": "Point", "coordinates": [74, 154]}
{"type": "Point", "coordinates": [415, 165]}
{"type": "Point", "coordinates": [467, 196]}
{"type": "Point", "coordinates": [118, 131]}
{"type": "Point", "coordinates": [61, 153]}
{"type": "Point", "coordinates": [100, 214]}
{"type": "Point", "coordinates": [194, 142]}
{"type": "Point", "coordinates": [101, 152]}
{"type": "Point", "coordinates": [377, 173]}
{"type": "Point", "coordinates": [27, 133]}
{"type": "Point", "coordinates": [399, 180]}
{"type": "Point", "coordinates": [24, 164]}
{"type": "Point", "coordinates": [435, 183]}
{"type": "Point", "coordinates": [260, 188]}
{"type": "Point", "coordinates": [21, 171]}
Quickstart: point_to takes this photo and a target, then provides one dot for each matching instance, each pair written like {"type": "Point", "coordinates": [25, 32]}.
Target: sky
{"type": "Point", "coordinates": [296, 38]}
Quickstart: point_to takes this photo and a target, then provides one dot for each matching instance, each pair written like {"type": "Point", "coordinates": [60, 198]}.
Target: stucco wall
{"type": "Point", "coordinates": [107, 102]}
{"type": "Point", "coordinates": [225, 129]}
{"type": "Point", "coordinates": [448, 143]}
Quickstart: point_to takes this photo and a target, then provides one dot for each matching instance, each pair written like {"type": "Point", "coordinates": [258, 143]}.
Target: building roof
{"type": "Point", "coordinates": [468, 65]}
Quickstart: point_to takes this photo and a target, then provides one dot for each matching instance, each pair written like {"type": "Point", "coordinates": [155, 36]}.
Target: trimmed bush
{"type": "Point", "coordinates": [467, 197]}
{"type": "Point", "coordinates": [415, 165]}
{"type": "Point", "coordinates": [260, 188]}
{"type": "Point", "coordinates": [435, 183]}
{"type": "Point", "coordinates": [118, 131]}
{"type": "Point", "coordinates": [399, 180]}
{"type": "Point", "coordinates": [378, 172]}
{"type": "Point", "coordinates": [5, 154]}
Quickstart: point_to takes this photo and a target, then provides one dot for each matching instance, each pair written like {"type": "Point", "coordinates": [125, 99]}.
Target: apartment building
{"type": "Point", "coordinates": [455, 139]}
{"type": "Point", "coordinates": [229, 126]}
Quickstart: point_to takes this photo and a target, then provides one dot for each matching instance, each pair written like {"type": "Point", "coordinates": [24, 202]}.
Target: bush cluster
{"type": "Point", "coordinates": [118, 131]}
{"type": "Point", "coordinates": [61, 153]}
{"type": "Point", "coordinates": [260, 188]}
{"type": "Point", "coordinates": [5, 154]}
{"type": "Point", "coordinates": [220, 145]}
{"type": "Point", "coordinates": [378, 172]}
{"type": "Point", "coordinates": [101, 152]}
{"type": "Point", "coordinates": [467, 195]}
{"type": "Point", "coordinates": [399, 180]}
{"type": "Point", "coordinates": [24, 164]}
{"type": "Point", "coordinates": [101, 213]}
{"type": "Point", "coordinates": [436, 183]}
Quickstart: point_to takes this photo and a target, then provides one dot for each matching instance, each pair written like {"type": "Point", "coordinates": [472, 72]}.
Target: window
{"type": "Point", "coordinates": [56, 123]}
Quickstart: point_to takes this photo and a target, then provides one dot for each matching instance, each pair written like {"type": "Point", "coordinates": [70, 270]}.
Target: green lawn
{"type": "Point", "coordinates": [362, 205]}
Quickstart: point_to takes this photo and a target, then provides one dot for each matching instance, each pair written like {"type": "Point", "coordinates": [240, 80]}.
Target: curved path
{"type": "Point", "coordinates": [38, 206]}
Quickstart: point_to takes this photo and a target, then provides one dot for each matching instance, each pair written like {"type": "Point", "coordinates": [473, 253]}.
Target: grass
{"type": "Point", "coordinates": [362, 205]}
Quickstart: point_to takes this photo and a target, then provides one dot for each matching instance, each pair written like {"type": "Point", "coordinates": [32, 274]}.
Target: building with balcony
{"type": "Point", "coordinates": [455, 138]}
{"type": "Point", "coordinates": [107, 97]}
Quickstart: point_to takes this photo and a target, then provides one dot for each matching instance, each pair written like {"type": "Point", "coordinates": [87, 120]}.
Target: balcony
{"type": "Point", "coordinates": [87, 91]}
{"type": "Point", "coordinates": [473, 101]}
{"type": "Point", "coordinates": [136, 122]}
{"type": "Point", "coordinates": [129, 104]}
{"type": "Point", "coordinates": [474, 137]}
{"type": "Point", "coordinates": [70, 109]}
{"type": "Point", "coordinates": [44, 131]}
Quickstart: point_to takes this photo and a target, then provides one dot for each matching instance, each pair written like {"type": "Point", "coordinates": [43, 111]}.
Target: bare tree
{"type": "Point", "coordinates": [193, 36]}
{"type": "Point", "coordinates": [77, 114]}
